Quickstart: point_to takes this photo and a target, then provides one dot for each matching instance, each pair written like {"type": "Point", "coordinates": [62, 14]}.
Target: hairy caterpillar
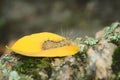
{"type": "Point", "coordinates": [49, 44]}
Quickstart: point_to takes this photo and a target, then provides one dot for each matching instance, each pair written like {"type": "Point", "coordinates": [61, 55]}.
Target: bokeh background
{"type": "Point", "coordinates": [66, 17]}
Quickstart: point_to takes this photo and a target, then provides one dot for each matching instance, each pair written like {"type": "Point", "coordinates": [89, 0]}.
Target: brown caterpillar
{"type": "Point", "coordinates": [49, 44]}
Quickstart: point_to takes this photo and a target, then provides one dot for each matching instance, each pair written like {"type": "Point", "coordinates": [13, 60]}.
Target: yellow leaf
{"type": "Point", "coordinates": [44, 44]}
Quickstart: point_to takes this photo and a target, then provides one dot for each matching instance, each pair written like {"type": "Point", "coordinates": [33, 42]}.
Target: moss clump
{"type": "Point", "coordinates": [116, 62]}
{"type": "Point", "coordinates": [33, 65]}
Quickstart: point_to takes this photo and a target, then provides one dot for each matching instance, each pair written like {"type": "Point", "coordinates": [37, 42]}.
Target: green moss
{"type": "Point", "coordinates": [116, 61]}
{"type": "Point", "coordinates": [118, 77]}
{"type": "Point", "coordinates": [32, 66]}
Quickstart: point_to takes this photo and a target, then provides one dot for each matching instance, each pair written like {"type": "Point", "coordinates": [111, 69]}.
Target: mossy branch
{"type": "Point", "coordinates": [97, 56]}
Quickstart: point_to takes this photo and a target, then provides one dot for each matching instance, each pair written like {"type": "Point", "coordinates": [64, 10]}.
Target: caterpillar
{"type": "Point", "coordinates": [49, 44]}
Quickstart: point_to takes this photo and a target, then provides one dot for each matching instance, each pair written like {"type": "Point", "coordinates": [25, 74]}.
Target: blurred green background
{"type": "Point", "coordinates": [68, 17]}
